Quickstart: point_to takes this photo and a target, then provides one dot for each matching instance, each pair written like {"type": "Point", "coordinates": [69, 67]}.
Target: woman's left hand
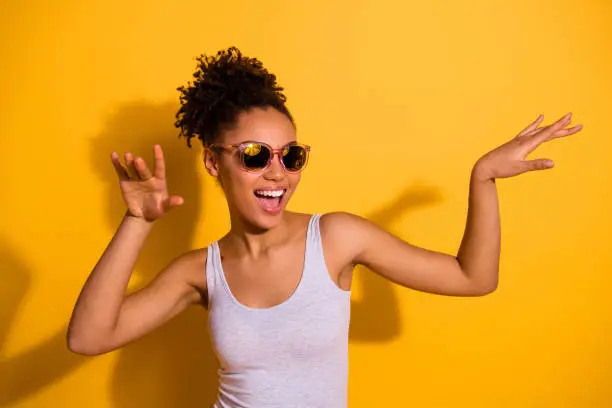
{"type": "Point", "coordinates": [509, 159]}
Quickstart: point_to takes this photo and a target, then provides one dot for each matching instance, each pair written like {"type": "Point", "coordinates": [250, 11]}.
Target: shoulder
{"type": "Point", "coordinates": [341, 219]}
{"type": "Point", "coordinates": [345, 233]}
{"type": "Point", "coordinates": [337, 224]}
{"type": "Point", "coordinates": [342, 224]}
{"type": "Point", "coordinates": [190, 268]}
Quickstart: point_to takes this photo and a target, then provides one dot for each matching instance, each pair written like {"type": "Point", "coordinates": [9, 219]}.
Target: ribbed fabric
{"type": "Point", "coordinates": [292, 355]}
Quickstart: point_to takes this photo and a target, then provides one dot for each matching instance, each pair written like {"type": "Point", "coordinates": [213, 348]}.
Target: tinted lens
{"type": "Point", "coordinates": [295, 157]}
{"type": "Point", "coordinates": [255, 156]}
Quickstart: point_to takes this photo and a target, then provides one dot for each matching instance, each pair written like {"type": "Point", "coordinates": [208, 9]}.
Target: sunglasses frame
{"type": "Point", "coordinates": [242, 147]}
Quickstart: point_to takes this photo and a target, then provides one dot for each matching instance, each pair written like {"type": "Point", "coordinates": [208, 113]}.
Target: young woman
{"type": "Point", "coordinates": [277, 285]}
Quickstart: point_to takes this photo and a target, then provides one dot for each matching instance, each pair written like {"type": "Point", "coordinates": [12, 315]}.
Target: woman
{"type": "Point", "coordinates": [277, 285]}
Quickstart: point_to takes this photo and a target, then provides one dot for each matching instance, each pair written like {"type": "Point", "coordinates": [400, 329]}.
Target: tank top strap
{"type": "Point", "coordinates": [313, 237]}
{"type": "Point", "coordinates": [213, 272]}
{"type": "Point", "coordinates": [314, 260]}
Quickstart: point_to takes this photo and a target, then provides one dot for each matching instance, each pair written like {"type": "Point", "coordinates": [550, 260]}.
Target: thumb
{"type": "Point", "coordinates": [537, 164]}
{"type": "Point", "coordinates": [172, 202]}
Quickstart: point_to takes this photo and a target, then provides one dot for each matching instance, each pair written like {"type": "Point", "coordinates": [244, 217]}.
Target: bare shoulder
{"type": "Point", "coordinates": [188, 268]}
{"type": "Point", "coordinates": [337, 221]}
{"type": "Point", "coordinates": [343, 235]}
{"type": "Point", "coordinates": [193, 265]}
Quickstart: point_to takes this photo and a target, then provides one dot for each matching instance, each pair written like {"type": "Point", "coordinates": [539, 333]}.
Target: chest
{"type": "Point", "coordinates": [267, 281]}
{"type": "Point", "coordinates": [272, 280]}
{"type": "Point", "coordinates": [311, 326]}
{"type": "Point", "coordinates": [282, 307]}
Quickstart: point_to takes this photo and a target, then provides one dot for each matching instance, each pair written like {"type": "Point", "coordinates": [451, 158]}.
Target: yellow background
{"type": "Point", "coordinates": [398, 99]}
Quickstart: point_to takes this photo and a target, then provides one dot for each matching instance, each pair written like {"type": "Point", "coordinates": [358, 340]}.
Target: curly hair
{"type": "Point", "coordinates": [225, 85]}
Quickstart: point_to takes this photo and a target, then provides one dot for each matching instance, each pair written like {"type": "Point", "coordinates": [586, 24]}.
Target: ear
{"type": "Point", "coordinates": [211, 162]}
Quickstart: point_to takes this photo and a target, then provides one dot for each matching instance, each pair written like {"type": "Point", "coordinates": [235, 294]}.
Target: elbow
{"type": "Point", "coordinates": [480, 284]}
{"type": "Point", "coordinates": [84, 346]}
{"type": "Point", "coordinates": [486, 289]}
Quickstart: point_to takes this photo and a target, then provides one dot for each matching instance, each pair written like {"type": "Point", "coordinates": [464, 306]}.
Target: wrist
{"type": "Point", "coordinates": [481, 173]}
{"type": "Point", "coordinates": [135, 219]}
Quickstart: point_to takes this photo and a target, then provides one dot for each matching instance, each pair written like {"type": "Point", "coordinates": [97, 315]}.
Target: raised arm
{"type": "Point", "coordinates": [104, 318]}
{"type": "Point", "coordinates": [473, 271]}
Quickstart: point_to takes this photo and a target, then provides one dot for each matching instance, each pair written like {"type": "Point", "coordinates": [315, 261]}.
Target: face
{"type": "Point", "coordinates": [256, 198]}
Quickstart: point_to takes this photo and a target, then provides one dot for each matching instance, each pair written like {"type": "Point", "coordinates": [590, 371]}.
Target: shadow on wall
{"type": "Point", "coordinates": [175, 365]}
{"type": "Point", "coordinates": [171, 367]}
{"type": "Point", "coordinates": [30, 371]}
{"type": "Point", "coordinates": [376, 317]}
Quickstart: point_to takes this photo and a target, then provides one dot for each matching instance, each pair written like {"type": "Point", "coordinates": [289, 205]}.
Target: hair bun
{"type": "Point", "coordinates": [224, 85]}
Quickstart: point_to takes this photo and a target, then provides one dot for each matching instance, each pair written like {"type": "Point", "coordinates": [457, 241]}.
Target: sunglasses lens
{"type": "Point", "coordinates": [255, 156]}
{"type": "Point", "coordinates": [295, 157]}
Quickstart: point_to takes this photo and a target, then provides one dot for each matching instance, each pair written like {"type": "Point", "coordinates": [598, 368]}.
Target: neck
{"type": "Point", "coordinates": [245, 238]}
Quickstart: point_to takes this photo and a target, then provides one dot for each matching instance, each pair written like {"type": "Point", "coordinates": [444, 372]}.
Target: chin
{"type": "Point", "coordinates": [267, 222]}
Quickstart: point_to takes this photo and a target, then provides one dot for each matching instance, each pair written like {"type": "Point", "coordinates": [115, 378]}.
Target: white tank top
{"type": "Point", "coordinates": [292, 355]}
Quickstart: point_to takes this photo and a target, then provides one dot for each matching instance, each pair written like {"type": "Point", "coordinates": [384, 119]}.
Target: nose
{"type": "Point", "coordinates": [275, 170]}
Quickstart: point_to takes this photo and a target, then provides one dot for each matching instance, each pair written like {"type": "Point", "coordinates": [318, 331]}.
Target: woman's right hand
{"type": "Point", "coordinates": [145, 193]}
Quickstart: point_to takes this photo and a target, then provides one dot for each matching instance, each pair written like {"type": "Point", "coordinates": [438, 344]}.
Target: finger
{"type": "Point", "coordinates": [142, 169]}
{"type": "Point", "coordinates": [532, 126]}
{"type": "Point", "coordinates": [567, 132]}
{"type": "Point", "coordinates": [119, 168]}
{"type": "Point", "coordinates": [172, 202]}
{"type": "Point", "coordinates": [160, 164]}
{"type": "Point", "coordinates": [534, 131]}
{"type": "Point", "coordinates": [540, 137]}
{"type": "Point", "coordinates": [536, 164]}
{"type": "Point", "coordinates": [560, 124]}
{"type": "Point", "coordinates": [129, 165]}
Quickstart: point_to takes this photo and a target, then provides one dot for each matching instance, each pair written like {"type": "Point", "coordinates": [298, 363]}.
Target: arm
{"type": "Point", "coordinates": [480, 248]}
{"type": "Point", "coordinates": [364, 243]}
{"type": "Point", "coordinates": [474, 270]}
{"type": "Point", "coordinates": [105, 319]}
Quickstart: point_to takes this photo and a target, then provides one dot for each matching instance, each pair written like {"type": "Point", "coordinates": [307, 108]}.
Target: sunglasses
{"type": "Point", "coordinates": [257, 156]}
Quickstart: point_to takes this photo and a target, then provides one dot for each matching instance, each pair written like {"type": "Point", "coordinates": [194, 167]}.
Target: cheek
{"type": "Point", "coordinates": [237, 182]}
{"type": "Point", "coordinates": [295, 179]}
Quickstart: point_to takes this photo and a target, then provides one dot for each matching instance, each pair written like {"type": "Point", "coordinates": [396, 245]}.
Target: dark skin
{"type": "Point", "coordinates": [262, 254]}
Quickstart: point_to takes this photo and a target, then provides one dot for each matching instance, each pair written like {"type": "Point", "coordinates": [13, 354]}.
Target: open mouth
{"type": "Point", "coordinates": [270, 200]}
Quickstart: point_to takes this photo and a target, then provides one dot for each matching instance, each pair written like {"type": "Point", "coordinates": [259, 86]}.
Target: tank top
{"type": "Point", "coordinates": [291, 355]}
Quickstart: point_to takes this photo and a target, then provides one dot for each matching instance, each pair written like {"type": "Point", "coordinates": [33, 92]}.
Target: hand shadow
{"type": "Point", "coordinates": [175, 365]}
{"type": "Point", "coordinates": [37, 367]}
{"type": "Point", "coordinates": [376, 316]}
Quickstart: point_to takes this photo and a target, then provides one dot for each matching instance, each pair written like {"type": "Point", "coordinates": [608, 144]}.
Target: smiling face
{"type": "Point", "coordinates": [255, 198]}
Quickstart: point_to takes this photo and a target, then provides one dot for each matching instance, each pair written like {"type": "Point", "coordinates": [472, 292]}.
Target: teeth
{"type": "Point", "coordinates": [270, 193]}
